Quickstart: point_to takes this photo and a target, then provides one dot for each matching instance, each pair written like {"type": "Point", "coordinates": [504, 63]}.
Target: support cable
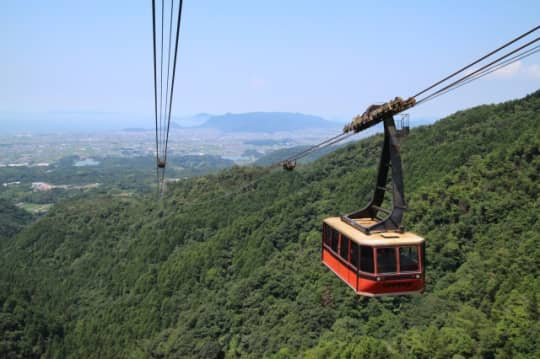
{"type": "Point", "coordinates": [155, 83]}
{"type": "Point", "coordinates": [487, 71]}
{"type": "Point", "coordinates": [163, 105]}
{"type": "Point", "coordinates": [477, 61]}
{"type": "Point", "coordinates": [494, 62]}
{"type": "Point", "coordinates": [179, 20]}
{"type": "Point", "coordinates": [161, 119]}
{"type": "Point", "coordinates": [482, 71]}
{"type": "Point", "coordinates": [311, 148]}
{"type": "Point", "coordinates": [169, 55]}
{"type": "Point", "coordinates": [492, 66]}
{"type": "Point", "coordinates": [326, 143]}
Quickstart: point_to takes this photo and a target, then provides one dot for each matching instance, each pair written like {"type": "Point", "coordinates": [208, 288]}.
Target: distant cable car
{"type": "Point", "coordinates": [369, 249]}
{"type": "Point", "coordinates": [403, 127]}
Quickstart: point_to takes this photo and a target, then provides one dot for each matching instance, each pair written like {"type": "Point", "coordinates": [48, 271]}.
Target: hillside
{"type": "Point", "coordinates": [12, 220]}
{"type": "Point", "coordinates": [267, 122]}
{"type": "Point", "coordinates": [209, 275]}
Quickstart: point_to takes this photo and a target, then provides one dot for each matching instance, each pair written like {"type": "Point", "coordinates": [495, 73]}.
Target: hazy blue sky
{"type": "Point", "coordinates": [331, 58]}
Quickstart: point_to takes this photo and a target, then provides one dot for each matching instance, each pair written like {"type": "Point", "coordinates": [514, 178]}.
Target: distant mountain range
{"type": "Point", "coordinates": [190, 121]}
{"type": "Point", "coordinates": [267, 122]}
{"type": "Point", "coordinates": [262, 122]}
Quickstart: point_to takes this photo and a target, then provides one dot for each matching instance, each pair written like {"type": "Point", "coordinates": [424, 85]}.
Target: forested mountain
{"type": "Point", "coordinates": [211, 272]}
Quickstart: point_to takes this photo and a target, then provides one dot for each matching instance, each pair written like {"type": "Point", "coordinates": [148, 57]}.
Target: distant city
{"type": "Point", "coordinates": [242, 138]}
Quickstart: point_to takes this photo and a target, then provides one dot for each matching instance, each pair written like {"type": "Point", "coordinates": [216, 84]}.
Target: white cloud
{"type": "Point", "coordinates": [509, 71]}
{"type": "Point", "coordinates": [534, 71]}
{"type": "Point", "coordinates": [520, 69]}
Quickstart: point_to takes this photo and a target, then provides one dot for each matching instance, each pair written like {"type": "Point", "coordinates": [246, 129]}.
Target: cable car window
{"type": "Point", "coordinates": [408, 259]}
{"type": "Point", "coordinates": [366, 259]}
{"type": "Point", "coordinates": [386, 260]}
{"type": "Point", "coordinates": [344, 251]}
{"type": "Point", "coordinates": [335, 238]}
{"type": "Point", "coordinates": [327, 235]}
{"type": "Point", "coordinates": [354, 254]}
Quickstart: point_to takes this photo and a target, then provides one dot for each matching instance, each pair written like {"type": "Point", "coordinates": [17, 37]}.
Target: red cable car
{"type": "Point", "coordinates": [369, 250]}
{"type": "Point", "coordinates": [377, 264]}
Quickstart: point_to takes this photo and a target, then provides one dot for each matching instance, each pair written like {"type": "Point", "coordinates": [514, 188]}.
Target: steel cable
{"type": "Point", "coordinates": [169, 56]}
{"type": "Point", "coordinates": [478, 73]}
{"type": "Point", "coordinates": [155, 84]}
{"type": "Point", "coordinates": [487, 71]}
{"type": "Point", "coordinates": [494, 62]}
{"type": "Point", "coordinates": [163, 110]}
{"type": "Point", "coordinates": [161, 77]}
{"type": "Point", "coordinates": [173, 78]}
{"type": "Point", "coordinates": [482, 71]}
{"type": "Point", "coordinates": [478, 60]}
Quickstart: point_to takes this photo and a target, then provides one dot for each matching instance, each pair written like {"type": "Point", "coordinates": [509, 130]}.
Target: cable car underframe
{"type": "Point", "coordinates": [369, 249]}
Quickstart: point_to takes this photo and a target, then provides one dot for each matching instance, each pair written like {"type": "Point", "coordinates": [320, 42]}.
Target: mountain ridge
{"type": "Point", "coordinates": [266, 122]}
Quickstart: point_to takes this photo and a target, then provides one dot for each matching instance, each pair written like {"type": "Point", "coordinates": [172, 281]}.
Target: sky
{"type": "Point", "coordinates": [329, 58]}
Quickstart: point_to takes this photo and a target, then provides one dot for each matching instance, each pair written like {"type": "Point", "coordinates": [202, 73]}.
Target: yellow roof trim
{"type": "Point", "coordinates": [379, 239]}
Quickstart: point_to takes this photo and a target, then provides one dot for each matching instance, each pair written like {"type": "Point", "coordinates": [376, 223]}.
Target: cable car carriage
{"type": "Point", "coordinates": [376, 264]}
{"type": "Point", "coordinates": [369, 250]}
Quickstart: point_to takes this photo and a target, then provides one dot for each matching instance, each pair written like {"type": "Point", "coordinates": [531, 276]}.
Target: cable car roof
{"type": "Point", "coordinates": [374, 239]}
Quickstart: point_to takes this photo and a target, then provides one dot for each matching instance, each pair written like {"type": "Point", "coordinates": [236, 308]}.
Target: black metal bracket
{"type": "Point", "coordinates": [390, 158]}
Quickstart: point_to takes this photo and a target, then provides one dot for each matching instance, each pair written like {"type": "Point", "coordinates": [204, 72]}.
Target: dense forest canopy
{"type": "Point", "coordinates": [12, 219]}
{"type": "Point", "coordinates": [203, 274]}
